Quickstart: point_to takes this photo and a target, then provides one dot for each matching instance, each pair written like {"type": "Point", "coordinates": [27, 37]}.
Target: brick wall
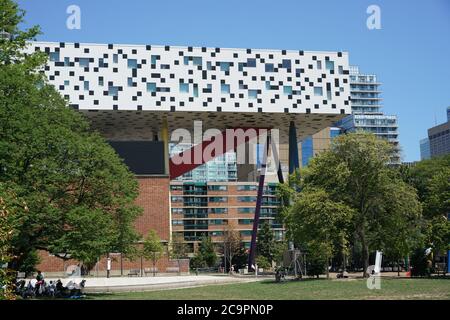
{"type": "Point", "coordinates": [154, 199]}
{"type": "Point", "coordinates": [53, 264]}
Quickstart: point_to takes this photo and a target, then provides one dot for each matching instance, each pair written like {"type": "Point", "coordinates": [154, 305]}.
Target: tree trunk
{"type": "Point", "coordinates": [328, 268]}
{"type": "Point", "coordinates": [121, 264]}
{"type": "Point", "coordinates": [365, 253]}
{"type": "Point", "coordinates": [154, 264]}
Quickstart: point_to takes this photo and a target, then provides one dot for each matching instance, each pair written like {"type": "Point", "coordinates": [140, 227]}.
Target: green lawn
{"type": "Point", "coordinates": [301, 290]}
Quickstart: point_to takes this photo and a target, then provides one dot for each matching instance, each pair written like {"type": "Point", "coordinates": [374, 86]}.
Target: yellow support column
{"type": "Point", "coordinates": [165, 141]}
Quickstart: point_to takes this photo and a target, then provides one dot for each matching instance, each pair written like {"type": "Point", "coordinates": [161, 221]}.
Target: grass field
{"type": "Point", "coordinates": [300, 290]}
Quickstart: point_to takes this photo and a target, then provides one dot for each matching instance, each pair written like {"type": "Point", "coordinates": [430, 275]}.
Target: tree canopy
{"type": "Point", "coordinates": [353, 179]}
{"type": "Point", "coordinates": [152, 249]}
{"type": "Point", "coordinates": [79, 193]}
{"type": "Point", "coordinates": [431, 178]}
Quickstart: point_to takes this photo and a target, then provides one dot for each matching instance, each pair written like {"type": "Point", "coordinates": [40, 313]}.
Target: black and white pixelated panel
{"type": "Point", "coordinates": [163, 78]}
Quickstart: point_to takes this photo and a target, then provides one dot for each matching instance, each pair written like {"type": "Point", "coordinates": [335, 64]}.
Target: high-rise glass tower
{"type": "Point", "coordinates": [366, 110]}
{"type": "Point", "coordinates": [425, 152]}
{"type": "Point", "coordinates": [221, 168]}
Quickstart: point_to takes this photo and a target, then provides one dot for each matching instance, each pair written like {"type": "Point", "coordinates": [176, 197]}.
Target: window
{"type": "Point", "coordinates": [66, 61]}
{"type": "Point", "coordinates": [245, 221]}
{"type": "Point", "coordinates": [177, 210]}
{"type": "Point", "coordinates": [217, 188]}
{"type": "Point", "coordinates": [208, 65]}
{"type": "Point", "coordinates": [54, 56]}
{"type": "Point", "coordinates": [218, 221]}
{"type": "Point", "coordinates": [218, 210]}
{"type": "Point", "coordinates": [153, 59]}
{"type": "Point", "coordinates": [252, 94]}
{"type": "Point", "coordinates": [186, 60]}
{"type": "Point", "coordinates": [329, 65]}
{"type": "Point", "coordinates": [286, 63]}
{"type": "Point", "coordinates": [245, 233]}
{"type": "Point", "coordinates": [176, 199]}
{"type": "Point", "coordinates": [307, 150]}
{"type": "Point", "coordinates": [269, 67]}
{"type": "Point", "coordinates": [341, 70]}
{"type": "Point", "coordinates": [115, 58]}
{"type": "Point", "coordinates": [184, 87]}
{"type": "Point", "coordinates": [100, 81]}
{"type": "Point", "coordinates": [176, 187]}
{"type": "Point", "coordinates": [318, 91]}
{"type": "Point", "coordinates": [246, 210]}
{"type": "Point", "coordinates": [130, 82]}
{"type": "Point", "coordinates": [177, 222]}
{"type": "Point", "coordinates": [319, 65]}
{"type": "Point", "coordinates": [151, 87]}
{"type": "Point", "coordinates": [66, 82]}
{"type": "Point", "coordinates": [246, 199]}
{"type": "Point", "coordinates": [267, 85]}
{"type": "Point", "coordinates": [216, 233]}
{"type": "Point", "coordinates": [84, 62]}
{"type": "Point", "coordinates": [224, 88]}
{"type": "Point", "coordinates": [251, 63]}
{"type": "Point", "coordinates": [86, 85]}
{"type": "Point", "coordinates": [224, 66]}
{"type": "Point", "coordinates": [218, 199]}
{"type": "Point", "coordinates": [196, 90]}
{"type": "Point", "coordinates": [113, 91]}
{"type": "Point", "coordinates": [197, 61]}
{"type": "Point", "coordinates": [132, 63]}
{"type": "Point", "coordinates": [287, 90]}
{"type": "Point", "coordinates": [101, 62]}
{"type": "Point", "coordinates": [247, 187]}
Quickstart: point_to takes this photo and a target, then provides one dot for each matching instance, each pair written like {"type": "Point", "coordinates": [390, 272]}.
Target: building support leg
{"type": "Point", "coordinates": [293, 149]}
{"type": "Point", "coordinates": [252, 253]}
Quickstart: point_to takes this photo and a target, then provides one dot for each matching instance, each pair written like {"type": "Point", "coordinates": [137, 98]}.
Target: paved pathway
{"type": "Point", "coordinates": [120, 284]}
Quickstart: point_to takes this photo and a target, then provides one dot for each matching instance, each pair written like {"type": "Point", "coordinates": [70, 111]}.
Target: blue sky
{"type": "Point", "coordinates": [410, 54]}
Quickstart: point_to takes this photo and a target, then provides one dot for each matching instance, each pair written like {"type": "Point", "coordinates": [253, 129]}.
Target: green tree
{"type": "Point", "coordinates": [266, 243]}
{"type": "Point", "coordinates": [232, 246]}
{"type": "Point", "coordinates": [356, 175]}
{"type": "Point", "coordinates": [317, 259]}
{"type": "Point", "coordinates": [207, 253]}
{"type": "Point", "coordinates": [432, 180]}
{"type": "Point", "coordinates": [421, 175]}
{"type": "Point", "coordinates": [10, 205]}
{"type": "Point", "coordinates": [76, 187]}
{"type": "Point", "coordinates": [263, 262]}
{"type": "Point", "coordinates": [320, 224]}
{"type": "Point", "coordinates": [153, 248]}
{"type": "Point", "coordinates": [178, 249]}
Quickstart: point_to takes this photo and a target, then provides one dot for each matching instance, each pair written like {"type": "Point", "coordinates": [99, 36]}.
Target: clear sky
{"type": "Point", "coordinates": [410, 54]}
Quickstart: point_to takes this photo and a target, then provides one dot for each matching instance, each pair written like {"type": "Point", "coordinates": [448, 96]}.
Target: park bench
{"type": "Point", "coordinates": [134, 272]}
{"type": "Point", "coordinates": [172, 269]}
{"type": "Point", "coordinates": [150, 270]}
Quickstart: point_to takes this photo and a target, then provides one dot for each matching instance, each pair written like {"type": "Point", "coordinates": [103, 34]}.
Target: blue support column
{"type": "Point", "coordinates": [448, 261]}
{"type": "Point", "coordinates": [293, 149]}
